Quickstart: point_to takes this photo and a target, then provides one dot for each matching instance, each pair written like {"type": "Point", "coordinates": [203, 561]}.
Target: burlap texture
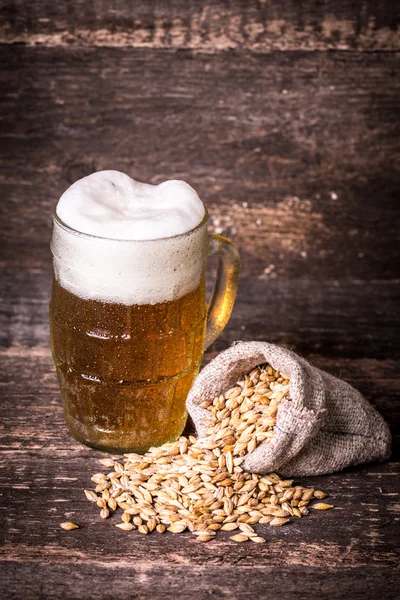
{"type": "Point", "coordinates": [326, 426]}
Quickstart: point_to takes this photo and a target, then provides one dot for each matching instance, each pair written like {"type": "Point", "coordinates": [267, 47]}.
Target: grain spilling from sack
{"type": "Point", "coordinates": [325, 427]}
{"type": "Point", "coordinates": [199, 484]}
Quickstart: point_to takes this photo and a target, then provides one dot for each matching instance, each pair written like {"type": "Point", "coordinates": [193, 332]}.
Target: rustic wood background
{"type": "Point", "coordinates": [284, 116]}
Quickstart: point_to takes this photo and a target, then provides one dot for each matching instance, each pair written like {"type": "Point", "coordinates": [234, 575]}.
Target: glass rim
{"type": "Point", "coordinates": [71, 230]}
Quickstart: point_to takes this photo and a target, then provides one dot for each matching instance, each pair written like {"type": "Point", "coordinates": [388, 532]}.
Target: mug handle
{"type": "Point", "coordinates": [225, 287]}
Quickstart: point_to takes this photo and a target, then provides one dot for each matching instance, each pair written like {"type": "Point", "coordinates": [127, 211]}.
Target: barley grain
{"type": "Point", "coordinates": [91, 496]}
{"type": "Point", "coordinates": [204, 538]}
{"type": "Point", "coordinates": [68, 526]}
{"type": "Point", "coordinates": [125, 526]}
{"type": "Point", "coordinates": [320, 495]}
{"type": "Point", "coordinates": [278, 521]}
{"type": "Point", "coordinates": [229, 527]}
{"type": "Point", "coordinates": [199, 484]}
{"type": "Point", "coordinates": [143, 529]}
{"type": "Point", "coordinates": [322, 506]}
{"type": "Point", "coordinates": [239, 537]}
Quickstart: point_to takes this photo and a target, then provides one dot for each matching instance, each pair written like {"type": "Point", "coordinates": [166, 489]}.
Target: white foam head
{"type": "Point", "coordinates": [110, 204]}
{"type": "Point", "coordinates": [118, 240]}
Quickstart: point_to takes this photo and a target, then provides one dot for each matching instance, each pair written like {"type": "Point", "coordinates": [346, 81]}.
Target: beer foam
{"type": "Point", "coordinates": [149, 243]}
{"type": "Point", "coordinates": [110, 204]}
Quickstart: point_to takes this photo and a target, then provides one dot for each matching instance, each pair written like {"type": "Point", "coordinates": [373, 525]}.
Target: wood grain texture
{"type": "Point", "coordinates": [284, 116]}
{"type": "Point", "coordinates": [43, 475]}
{"type": "Point", "coordinates": [141, 581]}
{"type": "Point", "coordinates": [206, 25]}
{"type": "Point", "coordinates": [28, 379]}
{"type": "Point", "coordinates": [336, 318]}
{"type": "Point", "coordinates": [296, 155]}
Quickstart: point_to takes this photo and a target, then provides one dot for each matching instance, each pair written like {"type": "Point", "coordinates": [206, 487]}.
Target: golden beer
{"type": "Point", "coordinates": [128, 317]}
{"type": "Point", "coordinates": [125, 371]}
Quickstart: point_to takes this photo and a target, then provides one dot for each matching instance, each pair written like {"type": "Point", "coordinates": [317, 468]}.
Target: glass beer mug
{"type": "Point", "coordinates": [129, 325]}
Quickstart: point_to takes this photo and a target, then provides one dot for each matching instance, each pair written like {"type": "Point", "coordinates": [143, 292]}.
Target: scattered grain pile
{"type": "Point", "coordinates": [199, 484]}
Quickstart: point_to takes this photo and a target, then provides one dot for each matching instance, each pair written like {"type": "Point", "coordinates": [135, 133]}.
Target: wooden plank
{"type": "Point", "coordinates": [295, 154]}
{"type": "Point", "coordinates": [28, 380]}
{"type": "Point", "coordinates": [179, 582]}
{"type": "Point", "coordinates": [361, 531]}
{"type": "Point", "coordinates": [44, 472]}
{"type": "Point", "coordinates": [209, 25]}
{"type": "Point", "coordinates": [341, 318]}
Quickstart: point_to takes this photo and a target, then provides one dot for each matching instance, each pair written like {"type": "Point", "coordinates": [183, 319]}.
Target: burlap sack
{"type": "Point", "coordinates": [326, 425]}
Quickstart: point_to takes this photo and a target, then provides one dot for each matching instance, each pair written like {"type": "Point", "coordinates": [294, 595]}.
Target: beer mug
{"type": "Point", "coordinates": [129, 325]}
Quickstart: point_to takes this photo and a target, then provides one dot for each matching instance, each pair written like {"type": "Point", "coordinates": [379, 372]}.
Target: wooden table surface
{"type": "Point", "coordinates": [283, 115]}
